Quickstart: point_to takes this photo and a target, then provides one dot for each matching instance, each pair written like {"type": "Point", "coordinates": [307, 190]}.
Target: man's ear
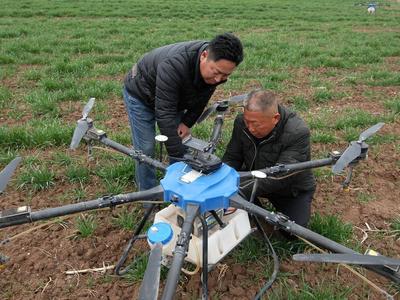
{"type": "Point", "coordinates": [203, 55]}
{"type": "Point", "coordinates": [277, 117]}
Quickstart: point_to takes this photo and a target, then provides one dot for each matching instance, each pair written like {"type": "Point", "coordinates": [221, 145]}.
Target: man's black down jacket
{"type": "Point", "coordinates": [168, 80]}
{"type": "Point", "coordinates": [288, 143]}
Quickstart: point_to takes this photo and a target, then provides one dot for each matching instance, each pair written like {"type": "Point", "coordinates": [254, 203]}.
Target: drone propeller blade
{"type": "Point", "coordinates": [370, 131]}
{"type": "Point", "coordinates": [351, 153]}
{"type": "Point", "coordinates": [7, 172]}
{"type": "Point", "coordinates": [232, 100]}
{"type": "Point", "coordinates": [88, 107]}
{"type": "Point", "coordinates": [354, 150]}
{"type": "Point", "coordinates": [79, 132]}
{"type": "Point", "coordinates": [207, 112]}
{"type": "Point", "coordinates": [236, 99]}
{"type": "Point", "coordinates": [151, 280]}
{"type": "Point", "coordinates": [357, 259]}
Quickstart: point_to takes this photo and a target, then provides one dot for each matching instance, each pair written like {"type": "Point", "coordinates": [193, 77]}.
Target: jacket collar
{"type": "Point", "coordinates": [198, 80]}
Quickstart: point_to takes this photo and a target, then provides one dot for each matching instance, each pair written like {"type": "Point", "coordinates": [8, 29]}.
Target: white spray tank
{"type": "Point", "coordinates": [210, 191]}
{"type": "Point", "coordinates": [220, 240]}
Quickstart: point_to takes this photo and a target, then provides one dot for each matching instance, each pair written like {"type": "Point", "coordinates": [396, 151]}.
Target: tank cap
{"type": "Point", "coordinates": [160, 232]}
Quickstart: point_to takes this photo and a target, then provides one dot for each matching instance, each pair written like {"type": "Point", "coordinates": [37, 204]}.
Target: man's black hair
{"type": "Point", "coordinates": [226, 46]}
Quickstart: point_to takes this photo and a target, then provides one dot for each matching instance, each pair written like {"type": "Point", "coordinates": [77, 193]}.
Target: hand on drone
{"type": "Point", "coordinates": [183, 130]}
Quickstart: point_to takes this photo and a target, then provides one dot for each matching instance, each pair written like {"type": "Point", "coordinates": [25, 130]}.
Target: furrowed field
{"type": "Point", "coordinates": [330, 61]}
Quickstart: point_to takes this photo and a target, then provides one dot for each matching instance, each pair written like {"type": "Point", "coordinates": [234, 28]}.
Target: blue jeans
{"type": "Point", "coordinates": [142, 122]}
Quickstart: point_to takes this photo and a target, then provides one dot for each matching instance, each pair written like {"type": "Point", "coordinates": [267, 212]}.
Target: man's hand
{"type": "Point", "coordinates": [183, 130]}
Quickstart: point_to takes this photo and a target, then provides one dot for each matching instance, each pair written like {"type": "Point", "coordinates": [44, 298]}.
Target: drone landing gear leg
{"type": "Point", "coordinates": [133, 239]}
{"type": "Point", "coordinates": [90, 150]}
{"type": "Point", "coordinates": [346, 182]}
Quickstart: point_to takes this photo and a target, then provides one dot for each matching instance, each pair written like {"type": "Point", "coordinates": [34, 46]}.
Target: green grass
{"type": "Point", "coordinates": [115, 187]}
{"type": "Point", "coordinates": [323, 291]}
{"type": "Point", "coordinates": [322, 137]}
{"type": "Point", "coordinates": [322, 95]}
{"type": "Point", "coordinates": [364, 197]}
{"type": "Point", "coordinates": [5, 96]}
{"type": "Point", "coordinates": [6, 156]}
{"type": "Point", "coordinates": [395, 225]}
{"type": "Point", "coordinates": [86, 225]}
{"type": "Point", "coordinates": [74, 195]}
{"type": "Point", "coordinates": [36, 133]}
{"type": "Point", "coordinates": [137, 268]}
{"type": "Point", "coordinates": [78, 174]}
{"type": "Point", "coordinates": [356, 118]}
{"type": "Point", "coordinates": [78, 194]}
{"type": "Point", "coordinates": [62, 159]}
{"type": "Point", "coordinates": [251, 249]}
{"type": "Point", "coordinates": [300, 103]}
{"type": "Point", "coordinates": [121, 171]}
{"type": "Point", "coordinates": [33, 160]}
{"type": "Point", "coordinates": [332, 227]}
{"type": "Point", "coordinates": [382, 78]}
{"type": "Point", "coordinates": [126, 219]}
{"type": "Point", "coordinates": [36, 179]}
{"type": "Point", "coordinates": [393, 105]}
{"type": "Point", "coordinates": [323, 174]}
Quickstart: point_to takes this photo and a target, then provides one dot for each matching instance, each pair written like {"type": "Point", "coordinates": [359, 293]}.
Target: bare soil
{"type": "Point", "coordinates": [40, 258]}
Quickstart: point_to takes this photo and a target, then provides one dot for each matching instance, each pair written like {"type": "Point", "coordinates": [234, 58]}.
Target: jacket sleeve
{"type": "Point", "coordinates": [191, 116]}
{"type": "Point", "coordinates": [168, 83]}
{"type": "Point", "coordinates": [296, 150]}
{"type": "Point", "coordinates": [233, 155]}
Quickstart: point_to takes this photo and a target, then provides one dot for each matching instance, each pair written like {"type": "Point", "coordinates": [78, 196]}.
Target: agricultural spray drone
{"type": "Point", "coordinates": [199, 225]}
{"type": "Point", "coordinates": [372, 6]}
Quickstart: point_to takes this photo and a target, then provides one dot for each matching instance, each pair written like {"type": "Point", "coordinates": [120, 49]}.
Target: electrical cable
{"type": "Point", "coordinates": [274, 275]}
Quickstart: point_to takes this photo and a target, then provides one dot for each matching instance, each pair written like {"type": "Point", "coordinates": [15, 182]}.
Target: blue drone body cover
{"type": "Point", "coordinates": [209, 191]}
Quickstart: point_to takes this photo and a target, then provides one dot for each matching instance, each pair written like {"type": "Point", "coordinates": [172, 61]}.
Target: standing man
{"type": "Point", "coordinates": [171, 85]}
{"type": "Point", "coordinates": [267, 134]}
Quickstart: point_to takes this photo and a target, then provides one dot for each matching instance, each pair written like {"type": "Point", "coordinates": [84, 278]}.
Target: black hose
{"type": "Point", "coordinates": [274, 274]}
{"type": "Point", "coordinates": [204, 295]}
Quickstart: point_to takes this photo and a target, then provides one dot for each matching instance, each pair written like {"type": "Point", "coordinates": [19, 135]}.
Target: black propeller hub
{"type": "Point", "coordinates": [223, 106]}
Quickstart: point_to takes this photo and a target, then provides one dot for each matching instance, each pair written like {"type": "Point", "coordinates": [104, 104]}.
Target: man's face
{"type": "Point", "coordinates": [260, 124]}
{"type": "Point", "coordinates": [214, 72]}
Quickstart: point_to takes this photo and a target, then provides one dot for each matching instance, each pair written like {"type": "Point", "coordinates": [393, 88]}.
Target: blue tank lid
{"type": "Point", "coordinates": [160, 232]}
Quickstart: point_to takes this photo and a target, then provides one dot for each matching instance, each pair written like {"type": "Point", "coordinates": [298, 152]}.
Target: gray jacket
{"type": "Point", "coordinates": [288, 143]}
{"type": "Point", "coordinates": [168, 80]}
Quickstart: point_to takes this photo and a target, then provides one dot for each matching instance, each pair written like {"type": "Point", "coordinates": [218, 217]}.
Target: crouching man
{"type": "Point", "coordinates": [267, 134]}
